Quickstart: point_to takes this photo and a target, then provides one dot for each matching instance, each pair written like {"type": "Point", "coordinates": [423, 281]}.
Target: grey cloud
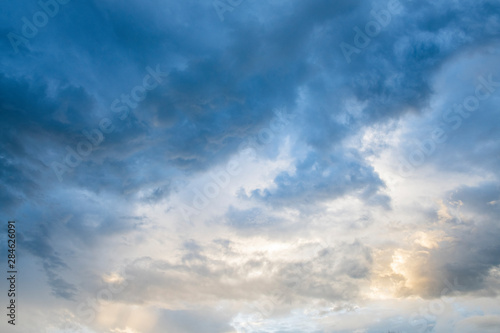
{"type": "Point", "coordinates": [203, 274]}
{"type": "Point", "coordinates": [53, 264]}
{"type": "Point", "coordinates": [181, 321]}
{"type": "Point", "coordinates": [462, 264]}
{"type": "Point", "coordinates": [319, 179]}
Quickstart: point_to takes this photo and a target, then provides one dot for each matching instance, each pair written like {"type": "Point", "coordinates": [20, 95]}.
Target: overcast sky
{"type": "Point", "coordinates": [252, 166]}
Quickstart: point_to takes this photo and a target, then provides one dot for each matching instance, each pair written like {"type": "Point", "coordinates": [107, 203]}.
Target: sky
{"type": "Point", "coordinates": [251, 166]}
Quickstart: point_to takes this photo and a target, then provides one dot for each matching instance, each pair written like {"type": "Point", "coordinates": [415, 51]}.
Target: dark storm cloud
{"type": "Point", "coordinates": [225, 80]}
{"type": "Point", "coordinates": [394, 73]}
{"type": "Point", "coordinates": [227, 89]}
{"type": "Point", "coordinates": [416, 47]}
{"type": "Point", "coordinates": [463, 263]}
{"type": "Point", "coordinates": [31, 123]}
{"type": "Point", "coordinates": [318, 179]}
{"type": "Point", "coordinates": [229, 79]}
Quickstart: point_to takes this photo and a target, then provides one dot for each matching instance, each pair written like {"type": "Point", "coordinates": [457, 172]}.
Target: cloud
{"type": "Point", "coordinates": [223, 83]}
{"type": "Point", "coordinates": [53, 264]}
{"type": "Point", "coordinates": [316, 180]}
{"type": "Point", "coordinates": [192, 321]}
{"type": "Point", "coordinates": [460, 259]}
{"type": "Point", "coordinates": [481, 323]}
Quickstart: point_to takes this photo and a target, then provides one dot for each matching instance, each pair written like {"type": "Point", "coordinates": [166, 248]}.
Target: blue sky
{"type": "Point", "coordinates": [243, 166]}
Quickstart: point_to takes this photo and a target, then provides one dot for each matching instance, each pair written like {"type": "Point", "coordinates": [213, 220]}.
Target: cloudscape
{"type": "Point", "coordinates": [238, 166]}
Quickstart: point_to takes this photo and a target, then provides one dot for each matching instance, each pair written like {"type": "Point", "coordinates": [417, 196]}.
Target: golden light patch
{"type": "Point", "coordinates": [427, 240]}
{"type": "Point", "coordinates": [113, 278]}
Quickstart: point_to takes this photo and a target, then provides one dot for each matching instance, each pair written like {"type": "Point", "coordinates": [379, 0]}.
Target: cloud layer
{"type": "Point", "coordinates": [253, 166]}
